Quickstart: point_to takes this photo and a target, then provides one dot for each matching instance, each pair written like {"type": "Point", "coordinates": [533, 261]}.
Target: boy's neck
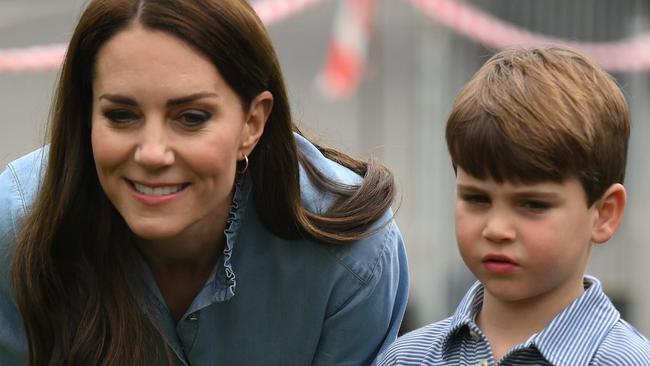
{"type": "Point", "coordinates": [509, 323]}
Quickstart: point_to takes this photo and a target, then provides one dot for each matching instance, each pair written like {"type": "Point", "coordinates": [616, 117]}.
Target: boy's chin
{"type": "Point", "coordinates": [507, 291]}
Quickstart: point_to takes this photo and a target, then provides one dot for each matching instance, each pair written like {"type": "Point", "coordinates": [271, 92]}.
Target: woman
{"type": "Point", "coordinates": [179, 217]}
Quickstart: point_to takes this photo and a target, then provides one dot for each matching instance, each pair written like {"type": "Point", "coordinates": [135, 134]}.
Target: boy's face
{"type": "Point", "coordinates": [524, 241]}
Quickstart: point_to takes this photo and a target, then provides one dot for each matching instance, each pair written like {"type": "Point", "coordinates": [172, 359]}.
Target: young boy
{"type": "Point", "coordinates": [538, 140]}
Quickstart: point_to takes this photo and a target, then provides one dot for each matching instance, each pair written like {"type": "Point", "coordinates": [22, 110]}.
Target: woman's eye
{"type": "Point", "coordinates": [194, 118]}
{"type": "Point", "coordinates": [120, 116]}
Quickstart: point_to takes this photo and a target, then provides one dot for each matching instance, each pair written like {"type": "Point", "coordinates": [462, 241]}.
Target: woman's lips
{"type": "Point", "coordinates": [159, 190]}
{"type": "Point", "coordinates": [156, 193]}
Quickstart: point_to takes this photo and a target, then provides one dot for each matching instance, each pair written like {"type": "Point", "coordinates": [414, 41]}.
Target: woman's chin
{"type": "Point", "coordinates": [154, 232]}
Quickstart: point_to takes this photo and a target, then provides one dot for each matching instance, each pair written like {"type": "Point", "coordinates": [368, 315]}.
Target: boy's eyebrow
{"type": "Point", "coordinates": [121, 99]}
{"type": "Point", "coordinates": [536, 194]}
{"type": "Point", "coordinates": [469, 188]}
{"type": "Point", "coordinates": [523, 192]}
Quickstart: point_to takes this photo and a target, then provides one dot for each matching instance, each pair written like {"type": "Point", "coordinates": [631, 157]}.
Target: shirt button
{"type": "Point", "coordinates": [483, 363]}
{"type": "Point", "coordinates": [476, 337]}
{"type": "Point", "coordinates": [193, 317]}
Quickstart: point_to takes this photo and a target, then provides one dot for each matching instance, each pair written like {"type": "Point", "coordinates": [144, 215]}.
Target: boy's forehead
{"type": "Point", "coordinates": [468, 181]}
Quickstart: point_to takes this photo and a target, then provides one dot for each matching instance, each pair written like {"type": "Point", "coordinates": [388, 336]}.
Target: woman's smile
{"type": "Point", "coordinates": [158, 189]}
{"type": "Point", "coordinates": [157, 193]}
{"type": "Point", "coordinates": [166, 135]}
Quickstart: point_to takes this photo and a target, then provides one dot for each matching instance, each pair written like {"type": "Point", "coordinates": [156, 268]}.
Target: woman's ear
{"type": "Point", "coordinates": [258, 114]}
{"type": "Point", "coordinates": [609, 209]}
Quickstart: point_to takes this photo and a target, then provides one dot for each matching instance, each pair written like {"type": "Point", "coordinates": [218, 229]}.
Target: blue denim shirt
{"type": "Point", "coordinates": [269, 301]}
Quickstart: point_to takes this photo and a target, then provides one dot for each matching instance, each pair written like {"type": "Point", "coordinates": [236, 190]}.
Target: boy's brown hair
{"type": "Point", "coordinates": [537, 114]}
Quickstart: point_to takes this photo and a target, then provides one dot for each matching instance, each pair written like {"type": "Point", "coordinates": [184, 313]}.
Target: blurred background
{"type": "Point", "coordinates": [378, 77]}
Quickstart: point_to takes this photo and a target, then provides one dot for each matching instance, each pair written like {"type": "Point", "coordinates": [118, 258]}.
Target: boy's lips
{"type": "Point", "coordinates": [499, 263]}
{"type": "Point", "coordinates": [499, 258]}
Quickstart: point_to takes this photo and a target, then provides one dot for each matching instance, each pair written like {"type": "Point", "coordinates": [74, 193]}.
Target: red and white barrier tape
{"type": "Point", "coordinates": [44, 58]}
{"type": "Point", "coordinates": [348, 48]}
{"type": "Point", "coordinates": [32, 58]}
{"type": "Point", "coordinates": [630, 54]}
{"type": "Point", "coordinates": [273, 11]}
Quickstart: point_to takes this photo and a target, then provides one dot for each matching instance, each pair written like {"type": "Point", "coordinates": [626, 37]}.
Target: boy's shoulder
{"type": "Point", "coordinates": [591, 331]}
{"type": "Point", "coordinates": [416, 346]}
{"type": "Point", "coordinates": [623, 345]}
{"type": "Point", "coordinates": [429, 344]}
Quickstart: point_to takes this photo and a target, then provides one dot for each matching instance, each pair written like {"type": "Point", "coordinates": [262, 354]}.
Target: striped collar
{"type": "Point", "coordinates": [571, 338]}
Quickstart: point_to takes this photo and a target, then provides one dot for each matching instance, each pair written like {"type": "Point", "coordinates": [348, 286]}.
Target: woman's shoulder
{"type": "Point", "coordinates": [19, 183]}
{"type": "Point", "coordinates": [368, 259]}
{"type": "Point", "coordinates": [21, 177]}
{"type": "Point", "coordinates": [363, 258]}
{"type": "Point", "coordinates": [326, 166]}
{"type": "Point", "coordinates": [313, 197]}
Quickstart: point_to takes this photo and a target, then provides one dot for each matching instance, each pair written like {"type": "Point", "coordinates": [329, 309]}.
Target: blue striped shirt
{"type": "Point", "coordinates": [589, 331]}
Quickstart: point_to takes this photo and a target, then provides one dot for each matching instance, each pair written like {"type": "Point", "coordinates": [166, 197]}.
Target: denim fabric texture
{"type": "Point", "coordinates": [269, 301]}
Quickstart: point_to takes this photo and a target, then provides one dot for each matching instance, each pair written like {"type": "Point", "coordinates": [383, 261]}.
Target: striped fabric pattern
{"type": "Point", "coordinates": [588, 332]}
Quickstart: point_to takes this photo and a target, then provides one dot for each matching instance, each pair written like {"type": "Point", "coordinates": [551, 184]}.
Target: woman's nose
{"type": "Point", "coordinates": [153, 150]}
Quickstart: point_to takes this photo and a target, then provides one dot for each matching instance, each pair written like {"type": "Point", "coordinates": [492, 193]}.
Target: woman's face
{"type": "Point", "coordinates": [167, 132]}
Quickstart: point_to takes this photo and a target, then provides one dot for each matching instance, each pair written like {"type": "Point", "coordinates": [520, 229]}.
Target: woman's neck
{"type": "Point", "coordinates": [181, 268]}
{"type": "Point", "coordinates": [180, 284]}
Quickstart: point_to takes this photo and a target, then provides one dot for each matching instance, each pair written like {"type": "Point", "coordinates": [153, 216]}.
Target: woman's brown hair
{"type": "Point", "coordinates": [71, 261]}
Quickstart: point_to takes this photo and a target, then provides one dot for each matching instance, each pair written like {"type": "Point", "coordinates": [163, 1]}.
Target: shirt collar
{"type": "Point", "coordinates": [466, 312]}
{"type": "Point", "coordinates": [223, 282]}
{"type": "Point", "coordinates": [220, 285]}
{"type": "Point", "coordinates": [571, 338]}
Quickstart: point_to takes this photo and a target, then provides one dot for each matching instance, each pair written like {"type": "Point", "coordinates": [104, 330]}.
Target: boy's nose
{"type": "Point", "coordinates": [153, 150]}
{"type": "Point", "coordinates": [498, 228]}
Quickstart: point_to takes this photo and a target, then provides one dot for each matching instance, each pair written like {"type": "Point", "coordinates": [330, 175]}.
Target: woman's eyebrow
{"type": "Point", "coordinates": [121, 99]}
{"type": "Point", "coordinates": [190, 98]}
{"type": "Point", "coordinates": [118, 99]}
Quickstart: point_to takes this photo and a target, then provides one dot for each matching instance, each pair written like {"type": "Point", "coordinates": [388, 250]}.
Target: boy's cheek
{"type": "Point", "coordinates": [466, 228]}
{"type": "Point", "coordinates": [467, 244]}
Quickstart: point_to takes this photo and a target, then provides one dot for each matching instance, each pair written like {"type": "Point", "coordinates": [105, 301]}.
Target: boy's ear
{"type": "Point", "coordinates": [609, 210]}
{"type": "Point", "coordinates": [258, 114]}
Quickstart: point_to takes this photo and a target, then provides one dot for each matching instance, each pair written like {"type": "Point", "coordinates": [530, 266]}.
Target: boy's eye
{"type": "Point", "coordinates": [534, 205]}
{"type": "Point", "coordinates": [194, 118]}
{"type": "Point", "coordinates": [475, 199]}
{"type": "Point", "coordinates": [120, 116]}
